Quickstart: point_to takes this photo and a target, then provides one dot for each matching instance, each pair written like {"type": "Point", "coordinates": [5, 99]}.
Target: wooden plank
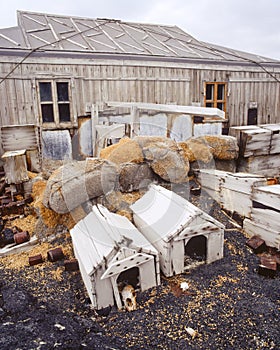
{"type": "Point", "coordinates": [266, 217]}
{"type": "Point", "coordinates": [242, 182]}
{"type": "Point", "coordinates": [236, 202]}
{"type": "Point", "coordinates": [267, 195]}
{"type": "Point", "coordinates": [271, 238]}
{"type": "Point", "coordinates": [255, 142]}
{"type": "Point", "coordinates": [268, 165]}
{"type": "Point", "coordinates": [19, 137]}
{"type": "Point", "coordinates": [275, 137]}
{"type": "Point", "coordinates": [193, 110]}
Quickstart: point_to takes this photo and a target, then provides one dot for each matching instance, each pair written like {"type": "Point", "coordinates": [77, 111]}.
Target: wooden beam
{"type": "Point", "coordinates": [193, 110]}
{"type": "Point", "coordinates": [94, 122]}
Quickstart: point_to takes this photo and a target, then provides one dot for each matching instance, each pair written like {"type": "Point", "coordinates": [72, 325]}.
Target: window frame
{"type": "Point", "coordinates": [215, 101]}
{"type": "Point", "coordinates": [55, 103]}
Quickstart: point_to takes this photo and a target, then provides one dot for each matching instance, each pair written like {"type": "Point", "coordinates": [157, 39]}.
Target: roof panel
{"type": "Point", "coordinates": [115, 37]}
{"type": "Point", "coordinates": [164, 214]}
{"type": "Point", "coordinates": [100, 232]}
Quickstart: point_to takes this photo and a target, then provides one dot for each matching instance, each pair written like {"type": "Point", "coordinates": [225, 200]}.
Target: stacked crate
{"type": "Point", "coordinates": [259, 148]}
{"type": "Point", "coordinates": [264, 220]}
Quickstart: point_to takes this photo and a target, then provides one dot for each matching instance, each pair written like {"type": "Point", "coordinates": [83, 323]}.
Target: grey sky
{"type": "Point", "coordinates": [247, 25]}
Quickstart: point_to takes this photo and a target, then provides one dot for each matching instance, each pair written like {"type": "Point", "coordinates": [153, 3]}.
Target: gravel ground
{"type": "Point", "coordinates": [228, 304]}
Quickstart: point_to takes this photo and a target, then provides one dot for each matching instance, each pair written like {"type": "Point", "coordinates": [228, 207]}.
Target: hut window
{"type": "Point", "coordinates": [55, 102]}
{"type": "Point", "coordinates": [215, 95]}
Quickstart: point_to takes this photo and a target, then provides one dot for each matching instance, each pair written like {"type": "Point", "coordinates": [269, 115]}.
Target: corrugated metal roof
{"type": "Point", "coordinates": [75, 34]}
{"type": "Point", "coordinates": [100, 232]}
{"type": "Point", "coordinates": [166, 213]}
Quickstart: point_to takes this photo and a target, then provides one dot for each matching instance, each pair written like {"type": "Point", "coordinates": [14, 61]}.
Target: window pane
{"type": "Point", "coordinates": [45, 92]}
{"type": "Point", "coordinates": [220, 106]}
{"type": "Point", "coordinates": [221, 92]}
{"type": "Point", "coordinates": [64, 112]}
{"type": "Point", "coordinates": [208, 104]}
{"type": "Point", "coordinates": [62, 91]}
{"type": "Point", "coordinates": [209, 91]}
{"type": "Point", "coordinates": [47, 113]}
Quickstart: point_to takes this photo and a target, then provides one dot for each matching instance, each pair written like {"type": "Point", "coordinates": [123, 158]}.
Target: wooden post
{"type": "Point", "coordinates": [135, 122]}
{"type": "Point", "coordinates": [94, 122]}
{"type": "Point", "coordinates": [116, 292]}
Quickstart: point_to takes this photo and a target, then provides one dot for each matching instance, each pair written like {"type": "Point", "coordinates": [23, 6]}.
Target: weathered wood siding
{"type": "Point", "coordinates": [94, 81]}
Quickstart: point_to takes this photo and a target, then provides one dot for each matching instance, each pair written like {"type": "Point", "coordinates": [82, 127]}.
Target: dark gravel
{"type": "Point", "coordinates": [229, 304]}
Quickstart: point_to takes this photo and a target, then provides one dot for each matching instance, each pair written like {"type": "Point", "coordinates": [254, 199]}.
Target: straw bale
{"type": "Point", "coordinates": [77, 182]}
{"type": "Point", "coordinates": [49, 218]}
{"type": "Point", "coordinates": [125, 151]}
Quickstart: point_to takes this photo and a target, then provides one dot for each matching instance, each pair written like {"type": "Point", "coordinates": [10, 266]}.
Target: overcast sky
{"type": "Point", "coordinates": [248, 25]}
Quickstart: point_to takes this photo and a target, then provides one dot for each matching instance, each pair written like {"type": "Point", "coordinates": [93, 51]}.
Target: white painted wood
{"type": "Point", "coordinates": [126, 263]}
{"type": "Point", "coordinates": [135, 121]}
{"type": "Point", "coordinates": [215, 246]}
{"type": "Point", "coordinates": [94, 122]}
{"type": "Point", "coordinates": [271, 238]}
{"type": "Point", "coordinates": [264, 165]}
{"type": "Point", "coordinates": [116, 293]}
{"type": "Point", "coordinates": [234, 201]}
{"type": "Point", "coordinates": [268, 195]}
{"type": "Point", "coordinates": [167, 221]}
{"type": "Point", "coordinates": [255, 142]}
{"type": "Point", "coordinates": [16, 249]}
{"type": "Point", "coordinates": [192, 110]}
{"type": "Point", "coordinates": [242, 182]}
{"type": "Point", "coordinates": [267, 217]}
{"type": "Point", "coordinates": [275, 137]}
{"type": "Point", "coordinates": [107, 244]}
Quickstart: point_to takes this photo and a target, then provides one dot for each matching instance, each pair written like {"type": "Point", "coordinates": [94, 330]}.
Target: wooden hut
{"type": "Point", "coordinates": [55, 67]}
{"type": "Point", "coordinates": [112, 253]}
{"type": "Point", "coordinates": [184, 235]}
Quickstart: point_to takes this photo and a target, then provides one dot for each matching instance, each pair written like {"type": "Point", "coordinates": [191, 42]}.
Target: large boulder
{"type": "Point", "coordinates": [196, 149]}
{"type": "Point", "coordinates": [222, 147]}
{"type": "Point", "coordinates": [134, 177]}
{"type": "Point", "coordinates": [165, 157]}
{"type": "Point", "coordinates": [209, 147]}
{"type": "Point", "coordinates": [77, 182]}
{"type": "Point", "coordinates": [125, 151]}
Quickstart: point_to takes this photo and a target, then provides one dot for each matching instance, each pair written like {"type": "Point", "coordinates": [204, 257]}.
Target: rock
{"type": "Point", "coordinates": [205, 148]}
{"type": "Point", "coordinates": [226, 165]}
{"type": "Point", "coordinates": [16, 300]}
{"type": "Point", "coordinates": [196, 149]}
{"type": "Point", "coordinates": [77, 182]}
{"type": "Point", "coordinates": [125, 151]}
{"type": "Point", "coordinates": [223, 147]}
{"type": "Point", "coordinates": [119, 202]}
{"type": "Point", "coordinates": [165, 158]}
{"type": "Point", "coordinates": [133, 176]}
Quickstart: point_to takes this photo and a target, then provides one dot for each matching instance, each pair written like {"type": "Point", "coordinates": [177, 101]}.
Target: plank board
{"type": "Point", "coordinates": [271, 238]}
{"type": "Point", "coordinates": [268, 195]}
{"type": "Point", "coordinates": [264, 165]}
{"type": "Point", "coordinates": [17, 137]}
{"type": "Point", "coordinates": [242, 182]}
{"type": "Point", "coordinates": [255, 142]}
{"type": "Point", "coordinates": [266, 217]}
{"type": "Point", "coordinates": [234, 201]}
{"type": "Point", "coordinates": [275, 137]}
